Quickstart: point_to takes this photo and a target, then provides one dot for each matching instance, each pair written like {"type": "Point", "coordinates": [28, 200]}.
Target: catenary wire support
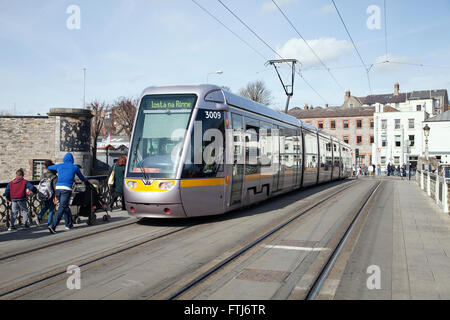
{"type": "Point", "coordinates": [288, 88]}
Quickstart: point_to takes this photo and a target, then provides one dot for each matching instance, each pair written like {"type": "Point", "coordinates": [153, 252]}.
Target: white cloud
{"type": "Point", "coordinates": [268, 6]}
{"type": "Point", "coordinates": [326, 9]}
{"type": "Point", "coordinates": [328, 50]}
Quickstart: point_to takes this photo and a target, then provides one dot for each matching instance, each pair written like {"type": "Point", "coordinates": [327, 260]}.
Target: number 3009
{"type": "Point", "coordinates": [213, 115]}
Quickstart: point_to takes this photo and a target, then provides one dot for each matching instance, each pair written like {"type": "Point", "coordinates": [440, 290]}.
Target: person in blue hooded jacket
{"type": "Point", "coordinates": [66, 175]}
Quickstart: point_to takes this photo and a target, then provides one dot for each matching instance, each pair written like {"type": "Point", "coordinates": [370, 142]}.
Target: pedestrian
{"type": "Point", "coordinates": [404, 170]}
{"type": "Point", "coordinates": [66, 175]}
{"type": "Point", "coordinates": [16, 192]}
{"type": "Point", "coordinates": [370, 170]}
{"type": "Point", "coordinates": [117, 187]}
{"type": "Point", "coordinates": [379, 169]}
{"type": "Point", "coordinates": [48, 193]}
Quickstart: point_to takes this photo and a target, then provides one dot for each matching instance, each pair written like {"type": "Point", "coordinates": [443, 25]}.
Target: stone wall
{"type": "Point", "coordinates": [23, 139]}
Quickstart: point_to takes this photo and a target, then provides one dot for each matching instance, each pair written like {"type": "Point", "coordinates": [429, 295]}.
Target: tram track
{"type": "Point", "coordinates": [197, 279]}
{"type": "Point", "coordinates": [12, 255]}
{"type": "Point", "coordinates": [27, 285]}
{"type": "Point", "coordinates": [22, 288]}
{"type": "Point", "coordinates": [328, 266]}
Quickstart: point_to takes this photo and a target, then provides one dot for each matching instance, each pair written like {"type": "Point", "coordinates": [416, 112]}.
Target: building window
{"type": "Point", "coordinates": [411, 123]}
{"type": "Point", "coordinates": [372, 139]}
{"type": "Point", "coordinates": [384, 124]}
{"type": "Point", "coordinates": [308, 122]}
{"type": "Point", "coordinates": [345, 124]}
{"type": "Point", "coordinates": [359, 139]}
{"type": "Point", "coordinates": [397, 160]}
{"type": "Point", "coordinates": [38, 169]}
{"type": "Point", "coordinates": [345, 139]}
{"type": "Point", "coordinates": [371, 123]}
{"type": "Point", "coordinates": [397, 123]}
{"type": "Point", "coordinates": [359, 123]}
{"type": "Point", "coordinates": [332, 124]}
{"type": "Point", "coordinates": [398, 142]}
{"type": "Point", "coordinates": [320, 124]}
{"type": "Point", "coordinates": [411, 139]}
{"type": "Point", "coordinates": [383, 161]}
{"type": "Point", "coordinates": [419, 107]}
{"type": "Point", "coordinates": [384, 141]}
{"type": "Point", "coordinates": [351, 105]}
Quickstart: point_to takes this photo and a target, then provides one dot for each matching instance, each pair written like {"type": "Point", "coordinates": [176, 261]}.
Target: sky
{"type": "Point", "coordinates": [128, 45]}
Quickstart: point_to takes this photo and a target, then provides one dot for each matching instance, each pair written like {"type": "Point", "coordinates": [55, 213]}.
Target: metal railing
{"type": "Point", "coordinates": [35, 205]}
{"type": "Point", "coordinates": [436, 187]}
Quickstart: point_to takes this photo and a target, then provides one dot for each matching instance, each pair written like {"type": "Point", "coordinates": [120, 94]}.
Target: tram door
{"type": "Point", "coordinates": [237, 177]}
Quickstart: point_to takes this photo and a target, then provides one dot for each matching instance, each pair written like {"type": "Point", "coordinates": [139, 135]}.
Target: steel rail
{"type": "Point", "coordinates": [253, 244]}
{"type": "Point", "coordinates": [16, 254]}
{"type": "Point", "coordinates": [322, 276]}
{"type": "Point", "coordinates": [18, 286]}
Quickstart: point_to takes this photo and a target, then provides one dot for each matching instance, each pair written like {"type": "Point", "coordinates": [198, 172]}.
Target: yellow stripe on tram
{"type": "Point", "coordinates": [202, 182]}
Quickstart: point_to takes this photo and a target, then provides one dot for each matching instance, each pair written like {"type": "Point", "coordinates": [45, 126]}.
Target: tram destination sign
{"type": "Point", "coordinates": [170, 102]}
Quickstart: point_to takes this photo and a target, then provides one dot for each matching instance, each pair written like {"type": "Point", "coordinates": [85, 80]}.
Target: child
{"type": "Point", "coordinates": [17, 191]}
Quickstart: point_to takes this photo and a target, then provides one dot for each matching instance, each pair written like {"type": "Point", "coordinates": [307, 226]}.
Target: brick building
{"type": "Point", "coordinates": [27, 141]}
{"type": "Point", "coordinates": [351, 125]}
{"type": "Point", "coordinates": [355, 120]}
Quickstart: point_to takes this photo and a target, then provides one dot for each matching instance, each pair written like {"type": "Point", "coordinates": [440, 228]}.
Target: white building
{"type": "Point", "coordinates": [398, 134]}
{"type": "Point", "coordinates": [439, 138]}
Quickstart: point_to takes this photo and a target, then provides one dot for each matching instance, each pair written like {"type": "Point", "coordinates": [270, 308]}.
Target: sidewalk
{"type": "Point", "coordinates": [408, 237]}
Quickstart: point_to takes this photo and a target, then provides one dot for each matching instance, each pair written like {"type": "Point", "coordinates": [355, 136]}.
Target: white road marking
{"type": "Point", "coordinates": [296, 248]}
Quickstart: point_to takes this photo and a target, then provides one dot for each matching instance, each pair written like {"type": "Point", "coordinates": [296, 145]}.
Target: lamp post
{"type": "Point", "coordinates": [217, 72]}
{"type": "Point", "coordinates": [426, 133]}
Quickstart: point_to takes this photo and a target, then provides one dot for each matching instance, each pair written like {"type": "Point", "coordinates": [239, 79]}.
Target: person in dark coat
{"type": "Point", "coordinates": [66, 175]}
{"type": "Point", "coordinates": [117, 187]}
{"type": "Point", "coordinates": [49, 205]}
{"type": "Point", "coordinates": [16, 192]}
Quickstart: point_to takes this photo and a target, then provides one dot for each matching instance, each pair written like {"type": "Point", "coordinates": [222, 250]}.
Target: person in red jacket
{"type": "Point", "coordinates": [17, 191]}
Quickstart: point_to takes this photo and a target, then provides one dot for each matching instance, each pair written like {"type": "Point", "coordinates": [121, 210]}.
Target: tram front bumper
{"type": "Point", "coordinates": [151, 210]}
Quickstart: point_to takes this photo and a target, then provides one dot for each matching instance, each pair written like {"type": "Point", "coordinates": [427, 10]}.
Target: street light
{"type": "Point", "coordinates": [217, 72]}
{"type": "Point", "coordinates": [426, 133]}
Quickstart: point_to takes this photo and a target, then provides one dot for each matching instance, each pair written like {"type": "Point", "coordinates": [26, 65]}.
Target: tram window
{"type": "Point", "coordinates": [207, 147]}
{"type": "Point", "coordinates": [159, 135]}
{"type": "Point", "coordinates": [252, 152]}
{"type": "Point", "coordinates": [310, 150]}
{"type": "Point", "coordinates": [325, 153]}
{"type": "Point", "coordinates": [266, 144]}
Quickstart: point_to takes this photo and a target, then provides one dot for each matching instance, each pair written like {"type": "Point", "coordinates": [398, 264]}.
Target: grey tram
{"type": "Point", "coordinates": [200, 150]}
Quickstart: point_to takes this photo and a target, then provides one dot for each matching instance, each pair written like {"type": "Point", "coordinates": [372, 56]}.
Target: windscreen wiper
{"type": "Point", "coordinates": [140, 162]}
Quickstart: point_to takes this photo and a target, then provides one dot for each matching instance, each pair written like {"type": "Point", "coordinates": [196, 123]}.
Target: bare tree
{"type": "Point", "coordinates": [257, 91]}
{"type": "Point", "coordinates": [124, 111]}
{"type": "Point", "coordinates": [99, 111]}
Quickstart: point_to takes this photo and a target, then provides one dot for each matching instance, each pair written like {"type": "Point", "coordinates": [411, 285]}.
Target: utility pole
{"type": "Point", "coordinates": [84, 88]}
{"type": "Point", "coordinates": [288, 88]}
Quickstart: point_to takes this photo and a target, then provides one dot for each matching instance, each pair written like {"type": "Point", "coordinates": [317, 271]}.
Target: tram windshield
{"type": "Point", "coordinates": [159, 135]}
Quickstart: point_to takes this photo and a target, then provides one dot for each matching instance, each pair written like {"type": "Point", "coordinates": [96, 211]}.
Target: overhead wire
{"type": "Point", "coordinates": [270, 48]}
{"type": "Point", "coordinates": [309, 46]}
{"type": "Point", "coordinates": [354, 46]}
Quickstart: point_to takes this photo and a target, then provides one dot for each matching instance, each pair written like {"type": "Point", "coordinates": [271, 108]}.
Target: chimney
{"type": "Point", "coordinates": [326, 105]}
{"type": "Point", "coordinates": [347, 94]}
{"type": "Point", "coordinates": [306, 106]}
{"type": "Point", "coordinates": [396, 89]}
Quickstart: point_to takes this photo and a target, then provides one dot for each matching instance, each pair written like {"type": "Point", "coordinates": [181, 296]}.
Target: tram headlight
{"type": "Point", "coordinates": [166, 185]}
{"type": "Point", "coordinates": [132, 184]}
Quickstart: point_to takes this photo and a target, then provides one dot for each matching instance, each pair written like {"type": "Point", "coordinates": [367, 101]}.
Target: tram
{"type": "Point", "coordinates": [201, 150]}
